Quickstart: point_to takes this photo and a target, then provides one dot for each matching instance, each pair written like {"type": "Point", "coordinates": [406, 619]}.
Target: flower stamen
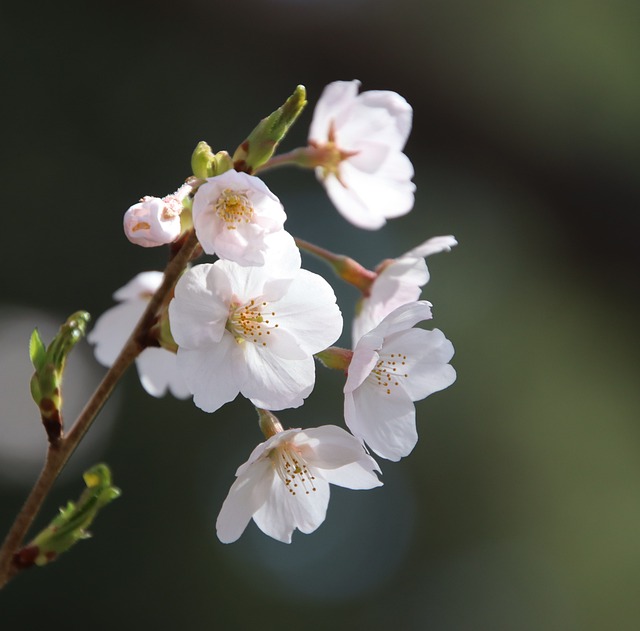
{"type": "Point", "coordinates": [385, 372]}
{"type": "Point", "coordinates": [247, 323]}
{"type": "Point", "coordinates": [293, 470]}
{"type": "Point", "coordinates": [234, 207]}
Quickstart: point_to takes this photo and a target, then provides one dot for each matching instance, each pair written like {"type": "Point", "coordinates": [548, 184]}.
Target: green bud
{"type": "Point", "coordinates": [204, 163]}
{"type": "Point", "coordinates": [71, 524]}
{"type": "Point", "coordinates": [49, 363]}
{"type": "Point", "coordinates": [264, 139]}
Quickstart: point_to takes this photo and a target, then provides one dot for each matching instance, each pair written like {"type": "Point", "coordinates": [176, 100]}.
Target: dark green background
{"type": "Point", "coordinates": [519, 508]}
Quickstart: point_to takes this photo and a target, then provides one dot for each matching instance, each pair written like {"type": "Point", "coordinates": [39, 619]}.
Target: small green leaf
{"type": "Point", "coordinates": [49, 363]}
{"type": "Point", "coordinates": [72, 521]}
{"type": "Point", "coordinates": [37, 350]}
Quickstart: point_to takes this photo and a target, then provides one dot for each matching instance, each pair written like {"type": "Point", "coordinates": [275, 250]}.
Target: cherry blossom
{"type": "Point", "coordinates": [157, 367]}
{"type": "Point", "coordinates": [398, 282]}
{"type": "Point", "coordinates": [358, 141]}
{"type": "Point", "coordinates": [284, 484]}
{"type": "Point", "coordinates": [252, 330]}
{"type": "Point", "coordinates": [392, 366]}
{"type": "Point", "coordinates": [237, 217]}
{"type": "Point", "coordinates": [152, 222]}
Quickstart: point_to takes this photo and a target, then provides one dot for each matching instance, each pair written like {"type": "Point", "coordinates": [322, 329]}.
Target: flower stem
{"type": "Point", "coordinates": [344, 266]}
{"type": "Point", "coordinates": [300, 157]}
{"type": "Point", "coordinates": [60, 452]}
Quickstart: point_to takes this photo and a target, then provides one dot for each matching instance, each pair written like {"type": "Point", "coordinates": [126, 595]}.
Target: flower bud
{"type": "Point", "coordinates": [263, 140]}
{"type": "Point", "coordinates": [152, 222]}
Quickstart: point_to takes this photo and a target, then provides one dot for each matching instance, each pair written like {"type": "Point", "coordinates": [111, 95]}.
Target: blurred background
{"type": "Point", "coordinates": [520, 506]}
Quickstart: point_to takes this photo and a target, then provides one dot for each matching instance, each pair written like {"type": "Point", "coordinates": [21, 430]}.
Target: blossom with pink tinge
{"type": "Point", "coordinates": [392, 366]}
{"type": "Point", "coordinates": [252, 330]}
{"type": "Point", "coordinates": [284, 485]}
{"type": "Point", "coordinates": [358, 140]}
{"type": "Point", "coordinates": [398, 282]}
{"type": "Point", "coordinates": [238, 218]}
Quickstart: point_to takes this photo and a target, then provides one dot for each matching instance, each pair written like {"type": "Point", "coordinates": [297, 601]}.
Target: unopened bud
{"type": "Point", "coordinates": [153, 222]}
{"type": "Point", "coordinates": [204, 163]}
{"type": "Point", "coordinates": [263, 140]}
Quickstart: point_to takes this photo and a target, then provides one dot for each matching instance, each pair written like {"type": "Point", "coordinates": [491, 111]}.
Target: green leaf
{"type": "Point", "coordinates": [37, 350]}
{"type": "Point", "coordinates": [72, 521]}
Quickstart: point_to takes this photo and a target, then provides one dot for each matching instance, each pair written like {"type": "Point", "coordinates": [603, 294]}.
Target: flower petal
{"type": "Point", "coordinates": [245, 496]}
{"type": "Point", "coordinates": [385, 422]}
{"type": "Point", "coordinates": [338, 457]}
{"type": "Point", "coordinates": [309, 312]}
{"type": "Point", "coordinates": [284, 512]}
{"type": "Point", "coordinates": [141, 286]}
{"type": "Point", "coordinates": [433, 246]}
{"type": "Point", "coordinates": [399, 283]}
{"type": "Point", "coordinates": [426, 355]}
{"type": "Point", "coordinates": [274, 383]}
{"type": "Point", "coordinates": [403, 318]}
{"type": "Point", "coordinates": [158, 371]}
{"type": "Point", "coordinates": [213, 373]}
{"type": "Point", "coordinates": [335, 100]}
{"type": "Point", "coordinates": [350, 204]}
{"type": "Point", "coordinates": [113, 328]}
{"type": "Point", "coordinates": [199, 310]}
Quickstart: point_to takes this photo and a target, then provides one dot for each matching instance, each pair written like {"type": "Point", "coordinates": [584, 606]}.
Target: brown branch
{"type": "Point", "coordinates": [60, 452]}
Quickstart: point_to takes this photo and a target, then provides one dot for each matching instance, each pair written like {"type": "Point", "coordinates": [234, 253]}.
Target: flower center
{"type": "Point", "coordinates": [292, 470]}
{"type": "Point", "coordinates": [234, 207]}
{"type": "Point", "coordinates": [250, 322]}
{"type": "Point", "coordinates": [329, 155]}
{"type": "Point", "coordinates": [389, 371]}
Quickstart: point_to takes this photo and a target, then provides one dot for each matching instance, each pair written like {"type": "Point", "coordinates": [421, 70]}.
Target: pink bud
{"type": "Point", "coordinates": [152, 222]}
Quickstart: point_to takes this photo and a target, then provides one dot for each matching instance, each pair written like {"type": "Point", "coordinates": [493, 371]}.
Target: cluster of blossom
{"type": "Point", "coordinates": [254, 321]}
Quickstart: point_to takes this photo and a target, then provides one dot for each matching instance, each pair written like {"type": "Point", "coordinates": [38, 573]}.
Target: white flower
{"type": "Point", "coordinates": [234, 215]}
{"type": "Point", "coordinates": [157, 367]}
{"type": "Point", "coordinates": [362, 136]}
{"type": "Point", "coordinates": [252, 330]}
{"type": "Point", "coordinates": [398, 282]}
{"type": "Point", "coordinates": [152, 222]}
{"type": "Point", "coordinates": [393, 366]}
{"type": "Point", "coordinates": [285, 483]}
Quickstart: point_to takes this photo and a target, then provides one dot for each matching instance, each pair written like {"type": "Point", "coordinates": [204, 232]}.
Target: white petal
{"type": "Point", "coordinates": [399, 111]}
{"type": "Point", "coordinates": [113, 328]}
{"type": "Point", "coordinates": [158, 371]}
{"type": "Point", "coordinates": [142, 285]}
{"type": "Point", "coordinates": [336, 98]}
{"type": "Point", "coordinates": [199, 310]}
{"type": "Point", "coordinates": [339, 457]}
{"type": "Point", "coordinates": [427, 361]}
{"type": "Point", "coordinates": [284, 512]}
{"type": "Point", "coordinates": [282, 256]}
{"type": "Point", "coordinates": [351, 206]}
{"type": "Point", "coordinates": [274, 383]}
{"type": "Point", "coordinates": [383, 193]}
{"type": "Point", "coordinates": [246, 496]}
{"type": "Point", "coordinates": [403, 318]}
{"type": "Point", "coordinates": [363, 361]}
{"type": "Point", "coordinates": [213, 373]}
{"type": "Point", "coordinates": [433, 246]}
{"type": "Point", "coordinates": [399, 283]}
{"type": "Point", "coordinates": [385, 422]}
{"type": "Point", "coordinates": [309, 312]}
